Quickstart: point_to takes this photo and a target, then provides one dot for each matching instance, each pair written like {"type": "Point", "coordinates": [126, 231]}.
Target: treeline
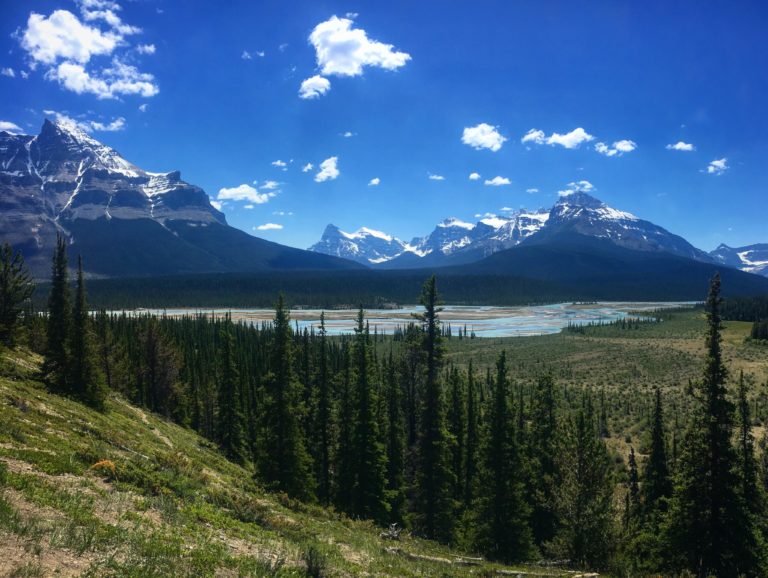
{"type": "Point", "coordinates": [399, 436]}
{"type": "Point", "coordinates": [746, 308]}
{"type": "Point", "coordinates": [759, 330]}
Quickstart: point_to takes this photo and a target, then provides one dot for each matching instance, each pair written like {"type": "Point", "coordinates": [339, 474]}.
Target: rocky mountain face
{"type": "Point", "coordinates": [64, 181]}
{"type": "Point", "coordinates": [454, 241]}
{"type": "Point", "coordinates": [750, 258]}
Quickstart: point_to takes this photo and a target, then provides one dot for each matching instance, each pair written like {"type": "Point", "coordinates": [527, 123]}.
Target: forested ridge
{"type": "Point", "coordinates": [389, 430]}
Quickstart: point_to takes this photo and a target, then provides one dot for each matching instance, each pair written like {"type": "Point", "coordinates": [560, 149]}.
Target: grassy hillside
{"type": "Point", "coordinates": [125, 493]}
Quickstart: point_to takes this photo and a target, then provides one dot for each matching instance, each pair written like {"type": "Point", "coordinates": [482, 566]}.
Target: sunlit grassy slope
{"type": "Point", "coordinates": [125, 493]}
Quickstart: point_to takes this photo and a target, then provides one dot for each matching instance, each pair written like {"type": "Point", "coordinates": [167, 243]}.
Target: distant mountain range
{"type": "Point", "coordinates": [454, 242]}
{"type": "Point", "coordinates": [125, 221]}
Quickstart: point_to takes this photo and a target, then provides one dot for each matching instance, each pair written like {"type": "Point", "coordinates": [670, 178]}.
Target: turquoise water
{"type": "Point", "coordinates": [484, 321]}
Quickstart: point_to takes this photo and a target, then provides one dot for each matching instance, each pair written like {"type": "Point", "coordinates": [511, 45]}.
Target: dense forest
{"type": "Point", "coordinates": [386, 429]}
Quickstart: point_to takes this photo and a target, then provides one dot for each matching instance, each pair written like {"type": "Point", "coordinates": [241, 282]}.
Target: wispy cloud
{"type": "Point", "coordinates": [8, 126]}
{"type": "Point", "coordinates": [435, 177]}
{"type": "Point", "coordinates": [497, 181]}
{"type": "Point", "coordinates": [269, 227]}
{"type": "Point", "coordinates": [681, 146]}
{"type": "Point", "coordinates": [718, 166]}
{"type": "Point", "coordinates": [575, 187]}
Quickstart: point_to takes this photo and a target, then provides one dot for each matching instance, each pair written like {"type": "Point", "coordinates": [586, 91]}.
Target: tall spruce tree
{"type": "Point", "coordinates": [709, 530]}
{"type": "Point", "coordinates": [434, 482]}
{"type": "Point", "coordinates": [633, 489]}
{"type": "Point", "coordinates": [542, 446]}
{"type": "Point", "coordinates": [56, 364]}
{"type": "Point", "coordinates": [232, 426]}
{"type": "Point", "coordinates": [345, 453]}
{"type": "Point", "coordinates": [86, 382]}
{"type": "Point", "coordinates": [16, 287]}
{"type": "Point", "coordinates": [473, 439]}
{"type": "Point", "coordinates": [502, 531]}
{"type": "Point", "coordinates": [285, 463]}
{"type": "Point", "coordinates": [323, 418]}
{"type": "Point", "coordinates": [369, 491]}
{"type": "Point", "coordinates": [656, 482]}
{"type": "Point", "coordinates": [395, 444]}
{"type": "Point", "coordinates": [456, 419]}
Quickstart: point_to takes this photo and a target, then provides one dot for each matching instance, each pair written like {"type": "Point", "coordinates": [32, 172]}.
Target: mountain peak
{"type": "Point", "coordinates": [580, 198]}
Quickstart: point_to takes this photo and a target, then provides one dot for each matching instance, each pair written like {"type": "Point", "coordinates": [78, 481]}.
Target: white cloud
{"type": "Point", "coordinates": [62, 36]}
{"type": "Point", "coordinates": [261, 53]}
{"type": "Point", "coordinates": [436, 177]}
{"type": "Point", "coordinates": [8, 126]}
{"type": "Point", "coordinates": [249, 206]}
{"type": "Point", "coordinates": [246, 55]}
{"type": "Point", "coordinates": [374, 182]}
{"type": "Point", "coordinates": [86, 125]}
{"type": "Point", "coordinates": [282, 47]}
{"type": "Point", "coordinates": [576, 186]}
{"type": "Point", "coordinates": [569, 140]}
{"type": "Point", "coordinates": [474, 176]}
{"type": "Point", "coordinates": [279, 163]}
{"type": "Point", "coordinates": [308, 167]}
{"type": "Point", "coordinates": [498, 181]}
{"type": "Point", "coordinates": [119, 79]}
{"type": "Point", "coordinates": [681, 146]}
{"type": "Point", "coordinates": [8, 72]}
{"type": "Point", "coordinates": [348, 134]}
{"type": "Point", "coordinates": [314, 87]}
{"type": "Point", "coordinates": [216, 204]}
{"type": "Point", "coordinates": [328, 170]}
{"type": "Point", "coordinates": [344, 51]}
{"type": "Point", "coordinates": [506, 209]}
{"type": "Point", "coordinates": [244, 192]}
{"type": "Point", "coordinates": [483, 136]}
{"type": "Point", "coordinates": [24, 74]}
{"type": "Point", "coordinates": [535, 136]}
{"type": "Point", "coordinates": [283, 213]}
{"type": "Point", "coordinates": [270, 186]}
{"type": "Point", "coordinates": [143, 107]}
{"type": "Point", "coordinates": [268, 227]}
{"type": "Point", "coordinates": [617, 149]}
{"type": "Point", "coordinates": [718, 166]}
{"type": "Point", "coordinates": [66, 45]}
{"type": "Point", "coordinates": [532, 190]}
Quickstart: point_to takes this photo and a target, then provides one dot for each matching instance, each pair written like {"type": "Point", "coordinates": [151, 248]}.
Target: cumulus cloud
{"type": "Point", "coordinates": [328, 170]}
{"type": "Point", "coordinates": [9, 72]}
{"type": "Point", "coordinates": [435, 177]}
{"type": "Point", "coordinates": [244, 192]}
{"type": "Point", "coordinates": [681, 146]}
{"type": "Point", "coordinates": [9, 126]}
{"type": "Point", "coordinates": [569, 140]}
{"type": "Point", "coordinates": [344, 51]}
{"type": "Point", "coordinates": [474, 176]}
{"type": "Point", "coordinates": [66, 46]}
{"type": "Point", "coordinates": [575, 187]}
{"type": "Point", "coordinates": [617, 149]}
{"type": "Point", "coordinates": [87, 125]}
{"type": "Point", "coordinates": [718, 166]}
{"type": "Point", "coordinates": [308, 167]}
{"type": "Point", "coordinates": [314, 87]}
{"type": "Point", "coordinates": [483, 136]}
{"type": "Point", "coordinates": [216, 204]}
{"type": "Point", "coordinates": [497, 181]}
{"type": "Point", "coordinates": [374, 182]}
{"type": "Point", "coordinates": [269, 227]}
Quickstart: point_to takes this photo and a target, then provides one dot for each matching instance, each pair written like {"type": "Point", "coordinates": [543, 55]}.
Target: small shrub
{"type": "Point", "coordinates": [315, 561]}
{"type": "Point", "coordinates": [105, 468]}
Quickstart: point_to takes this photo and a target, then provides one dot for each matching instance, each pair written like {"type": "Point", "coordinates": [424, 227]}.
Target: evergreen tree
{"type": "Point", "coordinates": [157, 384]}
{"type": "Point", "coordinates": [633, 489]}
{"type": "Point", "coordinates": [542, 447]}
{"type": "Point", "coordinates": [656, 486]}
{"type": "Point", "coordinates": [369, 492]}
{"type": "Point", "coordinates": [395, 445]}
{"type": "Point", "coordinates": [85, 379]}
{"type": "Point", "coordinates": [473, 436]}
{"type": "Point", "coordinates": [285, 463]}
{"type": "Point", "coordinates": [502, 522]}
{"type": "Point", "coordinates": [16, 287]}
{"type": "Point", "coordinates": [232, 427]}
{"type": "Point", "coordinates": [56, 364]}
{"type": "Point", "coordinates": [456, 427]}
{"type": "Point", "coordinates": [709, 530]}
{"type": "Point", "coordinates": [323, 418]}
{"type": "Point", "coordinates": [345, 455]}
{"type": "Point", "coordinates": [434, 506]}
{"type": "Point", "coordinates": [583, 503]}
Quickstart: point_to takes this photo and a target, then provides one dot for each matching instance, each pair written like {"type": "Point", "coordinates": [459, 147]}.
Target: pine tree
{"type": "Point", "coordinates": [345, 456]}
{"type": "Point", "coordinates": [85, 379]}
{"type": "Point", "coordinates": [232, 427]}
{"type": "Point", "coordinates": [633, 489]}
{"type": "Point", "coordinates": [323, 418]}
{"type": "Point", "coordinates": [56, 364]}
{"type": "Point", "coordinates": [502, 522]}
{"type": "Point", "coordinates": [434, 508]}
{"type": "Point", "coordinates": [584, 497]}
{"type": "Point", "coordinates": [16, 287]}
{"type": "Point", "coordinates": [656, 486]}
{"type": "Point", "coordinates": [709, 530]}
{"type": "Point", "coordinates": [369, 492]}
{"type": "Point", "coordinates": [473, 436]}
{"type": "Point", "coordinates": [395, 445]}
{"type": "Point", "coordinates": [542, 448]}
{"type": "Point", "coordinates": [456, 427]}
{"type": "Point", "coordinates": [285, 463]}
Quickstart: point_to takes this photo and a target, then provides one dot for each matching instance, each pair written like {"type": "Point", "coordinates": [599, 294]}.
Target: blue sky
{"type": "Point", "coordinates": [213, 90]}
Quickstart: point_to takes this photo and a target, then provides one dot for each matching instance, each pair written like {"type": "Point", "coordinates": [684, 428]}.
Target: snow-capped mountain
{"type": "Point", "coordinates": [364, 245]}
{"type": "Point", "coordinates": [454, 241]}
{"type": "Point", "coordinates": [64, 181]}
{"type": "Point", "coordinates": [750, 258]}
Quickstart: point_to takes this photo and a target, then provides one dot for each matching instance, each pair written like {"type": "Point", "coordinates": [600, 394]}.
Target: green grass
{"type": "Point", "coordinates": [172, 506]}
